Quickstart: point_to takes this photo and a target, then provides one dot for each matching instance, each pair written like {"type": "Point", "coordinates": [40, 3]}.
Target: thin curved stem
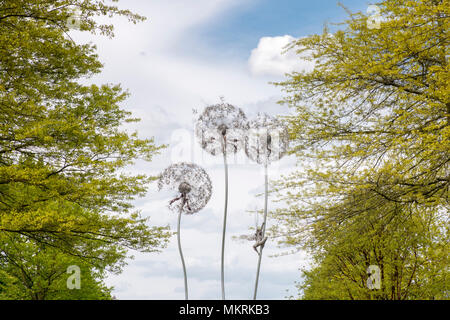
{"type": "Point", "coordinates": [182, 258]}
{"type": "Point", "coordinates": [224, 225]}
{"type": "Point", "coordinates": [266, 189]}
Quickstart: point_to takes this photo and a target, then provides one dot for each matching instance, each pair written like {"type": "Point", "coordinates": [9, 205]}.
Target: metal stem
{"type": "Point", "coordinates": [224, 221]}
{"type": "Point", "coordinates": [181, 255]}
{"type": "Point", "coordinates": [266, 189]}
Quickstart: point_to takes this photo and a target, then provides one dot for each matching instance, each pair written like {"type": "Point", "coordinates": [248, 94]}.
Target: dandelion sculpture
{"type": "Point", "coordinates": [220, 130]}
{"type": "Point", "coordinates": [267, 140]}
{"type": "Point", "coordinates": [193, 187]}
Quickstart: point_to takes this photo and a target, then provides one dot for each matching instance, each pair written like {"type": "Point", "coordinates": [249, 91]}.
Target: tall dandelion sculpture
{"type": "Point", "coordinates": [193, 187]}
{"type": "Point", "coordinates": [267, 140]}
{"type": "Point", "coordinates": [221, 129]}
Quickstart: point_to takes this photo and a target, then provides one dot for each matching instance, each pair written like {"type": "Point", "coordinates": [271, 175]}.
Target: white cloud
{"type": "Point", "coordinates": [270, 57]}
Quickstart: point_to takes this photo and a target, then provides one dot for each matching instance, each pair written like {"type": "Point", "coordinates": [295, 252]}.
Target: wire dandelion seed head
{"type": "Point", "coordinates": [192, 184]}
{"type": "Point", "coordinates": [221, 128]}
{"type": "Point", "coordinates": [267, 139]}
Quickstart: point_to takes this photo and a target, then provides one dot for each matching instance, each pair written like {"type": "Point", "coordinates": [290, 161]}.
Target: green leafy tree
{"type": "Point", "coordinates": [374, 113]}
{"type": "Point", "coordinates": [370, 129]}
{"type": "Point", "coordinates": [39, 272]}
{"type": "Point", "coordinates": [409, 246]}
{"type": "Point", "coordinates": [62, 143]}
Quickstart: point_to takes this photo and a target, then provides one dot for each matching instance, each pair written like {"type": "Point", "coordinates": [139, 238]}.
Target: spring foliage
{"type": "Point", "coordinates": [62, 143]}
{"type": "Point", "coordinates": [371, 127]}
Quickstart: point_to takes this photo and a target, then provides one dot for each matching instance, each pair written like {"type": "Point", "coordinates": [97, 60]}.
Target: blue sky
{"type": "Point", "coordinates": [185, 56]}
{"type": "Point", "coordinates": [238, 30]}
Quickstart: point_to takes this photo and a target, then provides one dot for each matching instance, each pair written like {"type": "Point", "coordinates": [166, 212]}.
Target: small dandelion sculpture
{"type": "Point", "coordinates": [267, 140]}
{"type": "Point", "coordinates": [221, 129]}
{"type": "Point", "coordinates": [194, 188]}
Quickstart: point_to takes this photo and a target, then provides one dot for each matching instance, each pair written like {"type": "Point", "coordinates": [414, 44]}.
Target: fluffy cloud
{"type": "Point", "coordinates": [271, 58]}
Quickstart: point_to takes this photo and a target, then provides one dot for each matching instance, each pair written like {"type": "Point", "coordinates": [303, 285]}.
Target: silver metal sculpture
{"type": "Point", "coordinates": [267, 140]}
{"type": "Point", "coordinates": [193, 190]}
{"type": "Point", "coordinates": [221, 129]}
{"type": "Point", "coordinates": [258, 237]}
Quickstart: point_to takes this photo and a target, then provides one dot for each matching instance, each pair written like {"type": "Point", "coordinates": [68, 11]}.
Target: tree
{"type": "Point", "coordinates": [410, 248]}
{"type": "Point", "coordinates": [375, 111]}
{"type": "Point", "coordinates": [38, 272]}
{"type": "Point", "coordinates": [62, 143]}
{"type": "Point", "coordinates": [371, 124]}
